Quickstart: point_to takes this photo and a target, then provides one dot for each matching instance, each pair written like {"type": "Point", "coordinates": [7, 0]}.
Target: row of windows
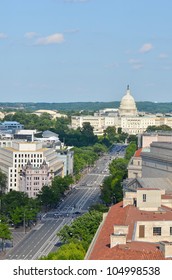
{"type": "Point", "coordinates": [25, 160]}
{"type": "Point", "coordinates": [14, 185]}
{"type": "Point", "coordinates": [11, 175]}
{"type": "Point", "coordinates": [28, 155]}
{"type": "Point", "coordinates": [157, 231]}
{"type": "Point", "coordinates": [21, 165]}
{"type": "Point", "coordinates": [36, 178]}
{"type": "Point", "coordinates": [35, 184]}
{"type": "Point", "coordinates": [36, 172]}
{"type": "Point", "coordinates": [12, 180]}
{"type": "Point", "coordinates": [30, 189]}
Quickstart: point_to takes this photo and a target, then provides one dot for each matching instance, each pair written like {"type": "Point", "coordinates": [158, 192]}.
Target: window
{"type": "Point", "coordinates": [141, 231]}
{"type": "Point", "coordinates": [156, 231]}
{"type": "Point", "coordinates": [144, 197]}
{"type": "Point", "coordinates": [170, 230]}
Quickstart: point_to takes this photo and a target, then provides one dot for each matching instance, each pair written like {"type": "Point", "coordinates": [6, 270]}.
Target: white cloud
{"type": "Point", "coordinates": [3, 36]}
{"type": "Point", "coordinates": [51, 39]}
{"type": "Point", "coordinates": [146, 48]}
{"type": "Point", "coordinates": [163, 55]}
{"type": "Point", "coordinates": [30, 35]}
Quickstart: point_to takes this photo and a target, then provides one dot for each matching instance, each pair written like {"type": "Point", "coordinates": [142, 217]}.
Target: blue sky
{"type": "Point", "coordinates": [85, 50]}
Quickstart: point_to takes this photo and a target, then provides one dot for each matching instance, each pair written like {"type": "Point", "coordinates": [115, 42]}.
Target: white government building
{"type": "Point", "coordinates": [13, 159]}
{"type": "Point", "coordinates": [126, 117]}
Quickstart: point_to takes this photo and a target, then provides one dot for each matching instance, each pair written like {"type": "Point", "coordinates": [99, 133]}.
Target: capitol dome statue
{"type": "Point", "coordinates": [128, 105]}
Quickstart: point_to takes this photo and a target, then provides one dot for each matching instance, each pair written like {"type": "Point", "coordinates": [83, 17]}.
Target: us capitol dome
{"type": "Point", "coordinates": [128, 105]}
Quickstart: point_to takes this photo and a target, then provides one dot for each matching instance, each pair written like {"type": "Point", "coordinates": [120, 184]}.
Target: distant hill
{"type": "Point", "coordinates": [145, 106]}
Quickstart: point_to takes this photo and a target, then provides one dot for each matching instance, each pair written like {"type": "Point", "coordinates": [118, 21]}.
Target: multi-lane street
{"type": "Point", "coordinates": [38, 241]}
{"type": "Point", "coordinates": [42, 239]}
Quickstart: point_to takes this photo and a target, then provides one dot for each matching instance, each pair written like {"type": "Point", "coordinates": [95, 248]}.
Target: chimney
{"type": "Point", "coordinates": [166, 249]}
{"type": "Point", "coordinates": [119, 236]}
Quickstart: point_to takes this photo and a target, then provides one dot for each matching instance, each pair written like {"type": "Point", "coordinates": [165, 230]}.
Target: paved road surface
{"type": "Point", "coordinates": [42, 239]}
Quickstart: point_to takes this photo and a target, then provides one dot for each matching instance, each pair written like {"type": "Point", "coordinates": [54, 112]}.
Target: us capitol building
{"type": "Point", "coordinates": [125, 117]}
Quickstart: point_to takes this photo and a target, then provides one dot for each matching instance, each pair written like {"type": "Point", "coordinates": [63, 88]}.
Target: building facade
{"type": "Point", "coordinates": [138, 228]}
{"type": "Point", "coordinates": [67, 157]}
{"type": "Point", "coordinates": [11, 125]}
{"type": "Point", "coordinates": [14, 158]}
{"type": "Point", "coordinates": [126, 117]}
{"type": "Point", "coordinates": [158, 161]}
{"type": "Point", "coordinates": [145, 139]}
{"type": "Point", "coordinates": [135, 165]}
{"type": "Point", "coordinates": [32, 179]}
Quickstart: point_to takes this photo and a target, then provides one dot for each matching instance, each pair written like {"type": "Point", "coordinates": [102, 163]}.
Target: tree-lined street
{"type": "Point", "coordinates": [42, 239]}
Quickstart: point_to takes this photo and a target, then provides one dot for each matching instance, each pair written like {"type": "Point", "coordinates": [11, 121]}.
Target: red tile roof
{"type": "Point", "coordinates": [138, 152]}
{"type": "Point", "coordinates": [132, 250]}
{"type": "Point", "coordinates": [165, 196]}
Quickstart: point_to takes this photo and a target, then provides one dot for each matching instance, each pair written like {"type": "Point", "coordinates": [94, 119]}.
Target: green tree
{"type": "Point", "coordinates": [133, 138]}
{"type": "Point", "coordinates": [83, 157]}
{"type": "Point", "coordinates": [5, 233]}
{"type": "Point", "coordinates": [130, 150]}
{"type": "Point", "coordinates": [99, 207]}
{"type": "Point", "coordinates": [88, 137]}
{"type": "Point", "coordinates": [16, 205]}
{"type": "Point", "coordinates": [3, 183]}
{"type": "Point", "coordinates": [119, 130]}
{"type": "Point", "coordinates": [99, 148]}
{"type": "Point", "coordinates": [46, 197]}
{"type": "Point", "coordinates": [49, 196]}
{"type": "Point", "coordinates": [71, 251]}
{"type": "Point", "coordinates": [111, 190]}
{"type": "Point", "coordinates": [110, 133]}
{"type": "Point", "coordinates": [13, 199]}
{"type": "Point", "coordinates": [163, 127]}
{"type": "Point", "coordinates": [82, 229]}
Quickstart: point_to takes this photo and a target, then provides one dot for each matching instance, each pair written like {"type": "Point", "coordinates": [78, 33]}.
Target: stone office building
{"type": "Point", "coordinates": [158, 161]}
